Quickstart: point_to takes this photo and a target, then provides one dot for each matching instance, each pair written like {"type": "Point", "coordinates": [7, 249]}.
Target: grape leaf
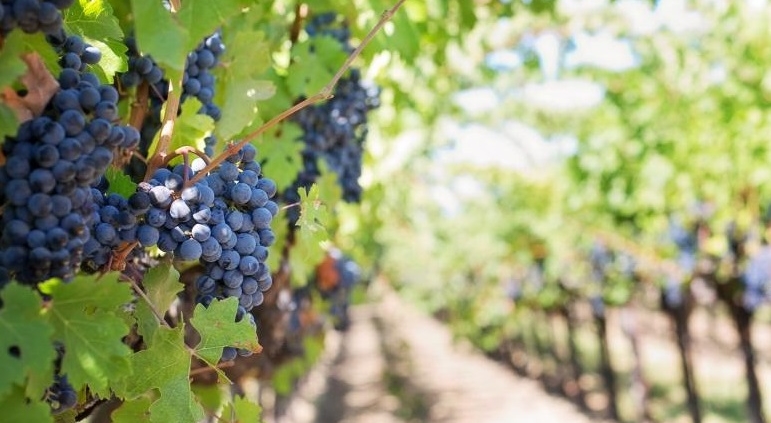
{"type": "Point", "coordinates": [41, 86]}
{"type": "Point", "coordinates": [239, 85]}
{"type": "Point", "coordinates": [202, 17]}
{"type": "Point", "coordinates": [11, 65]}
{"type": "Point", "coordinates": [282, 149]}
{"type": "Point", "coordinates": [24, 331]}
{"type": "Point", "coordinates": [164, 365]}
{"type": "Point", "coordinates": [94, 21]}
{"type": "Point", "coordinates": [8, 122]}
{"type": "Point", "coordinates": [210, 397]}
{"type": "Point", "coordinates": [134, 411]}
{"type": "Point", "coordinates": [161, 285]}
{"type": "Point", "coordinates": [241, 410]}
{"type": "Point", "coordinates": [159, 35]}
{"type": "Point", "coordinates": [190, 129]}
{"type": "Point", "coordinates": [218, 329]}
{"type": "Point", "coordinates": [281, 230]}
{"type": "Point", "coordinates": [84, 314]}
{"type": "Point", "coordinates": [120, 183]}
{"type": "Point", "coordinates": [308, 249]}
{"type": "Point", "coordinates": [17, 408]}
{"type": "Point", "coordinates": [314, 63]}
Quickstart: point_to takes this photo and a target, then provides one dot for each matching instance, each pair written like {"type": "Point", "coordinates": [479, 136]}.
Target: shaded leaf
{"type": "Point", "coordinates": [25, 345]}
{"type": "Point", "coordinates": [86, 320]}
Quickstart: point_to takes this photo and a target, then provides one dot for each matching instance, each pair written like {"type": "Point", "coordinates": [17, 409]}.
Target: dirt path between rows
{"type": "Point", "coordinates": [396, 365]}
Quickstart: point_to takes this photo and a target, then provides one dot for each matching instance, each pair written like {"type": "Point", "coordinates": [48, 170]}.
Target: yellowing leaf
{"type": "Point", "coordinates": [25, 345]}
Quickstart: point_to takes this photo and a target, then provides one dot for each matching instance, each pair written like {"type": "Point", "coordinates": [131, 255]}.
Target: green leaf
{"type": "Point", "coordinates": [8, 122]}
{"type": "Point", "coordinates": [84, 314]}
{"type": "Point", "coordinates": [11, 65]}
{"type": "Point", "coordinates": [202, 17]}
{"type": "Point", "coordinates": [190, 129]}
{"type": "Point", "coordinates": [164, 365]}
{"type": "Point", "coordinates": [18, 43]}
{"type": "Point", "coordinates": [159, 35]}
{"type": "Point", "coordinates": [24, 328]}
{"type": "Point", "coordinates": [308, 250]}
{"type": "Point", "coordinates": [161, 285]}
{"type": "Point", "coordinates": [280, 227]}
{"type": "Point", "coordinates": [210, 397]}
{"type": "Point", "coordinates": [282, 149]}
{"type": "Point", "coordinates": [17, 408]}
{"type": "Point", "coordinates": [241, 410]}
{"type": "Point", "coordinates": [94, 21]}
{"type": "Point", "coordinates": [218, 329]}
{"type": "Point", "coordinates": [120, 183]}
{"type": "Point", "coordinates": [135, 411]}
{"type": "Point", "coordinates": [239, 82]}
{"type": "Point", "coordinates": [314, 63]}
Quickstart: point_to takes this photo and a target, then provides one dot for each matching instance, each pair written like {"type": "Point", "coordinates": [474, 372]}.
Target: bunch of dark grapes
{"type": "Point", "coordinates": [140, 67]}
{"type": "Point", "coordinates": [32, 16]}
{"type": "Point", "coordinates": [222, 221]}
{"type": "Point", "coordinates": [51, 164]}
{"type": "Point", "coordinates": [335, 130]}
{"type": "Point", "coordinates": [115, 222]}
{"type": "Point", "coordinates": [199, 82]}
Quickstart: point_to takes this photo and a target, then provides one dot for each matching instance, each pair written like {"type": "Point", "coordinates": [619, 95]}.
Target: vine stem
{"type": "Point", "coordinates": [169, 117]}
{"type": "Point", "coordinates": [184, 151]}
{"type": "Point", "coordinates": [322, 95]}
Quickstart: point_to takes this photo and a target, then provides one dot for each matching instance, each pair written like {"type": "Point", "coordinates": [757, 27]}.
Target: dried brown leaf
{"type": "Point", "coordinates": [41, 86]}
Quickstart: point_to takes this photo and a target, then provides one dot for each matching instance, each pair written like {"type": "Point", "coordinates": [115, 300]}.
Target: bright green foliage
{"type": "Point", "coordinates": [84, 315]}
{"type": "Point", "coordinates": [311, 233]}
{"type": "Point", "coordinates": [241, 411]}
{"type": "Point", "coordinates": [202, 17]}
{"type": "Point", "coordinates": [94, 21]}
{"type": "Point", "coordinates": [241, 83]}
{"type": "Point", "coordinates": [8, 121]}
{"type": "Point", "coordinates": [158, 34]}
{"type": "Point", "coordinates": [190, 129]}
{"type": "Point", "coordinates": [218, 329]}
{"type": "Point", "coordinates": [314, 63]}
{"type": "Point", "coordinates": [161, 285]}
{"type": "Point", "coordinates": [120, 183]}
{"type": "Point", "coordinates": [25, 331]}
{"type": "Point", "coordinates": [134, 411]}
{"type": "Point", "coordinates": [282, 147]}
{"type": "Point", "coordinates": [11, 65]}
{"type": "Point", "coordinates": [164, 366]}
{"type": "Point", "coordinates": [16, 408]}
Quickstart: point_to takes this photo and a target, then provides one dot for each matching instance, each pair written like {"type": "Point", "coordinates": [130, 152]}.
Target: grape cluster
{"type": "Point", "coordinates": [51, 163]}
{"type": "Point", "coordinates": [222, 221]}
{"type": "Point", "coordinates": [32, 16]}
{"type": "Point", "coordinates": [140, 68]}
{"type": "Point", "coordinates": [114, 222]}
{"type": "Point", "coordinates": [334, 131]}
{"type": "Point", "coordinates": [756, 279]}
{"type": "Point", "coordinates": [61, 395]}
{"type": "Point", "coordinates": [198, 81]}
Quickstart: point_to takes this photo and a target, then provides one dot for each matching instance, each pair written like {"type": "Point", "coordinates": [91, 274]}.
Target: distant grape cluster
{"type": "Point", "coordinates": [32, 16]}
{"type": "Point", "coordinates": [335, 130]}
{"type": "Point", "coordinates": [51, 164]}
